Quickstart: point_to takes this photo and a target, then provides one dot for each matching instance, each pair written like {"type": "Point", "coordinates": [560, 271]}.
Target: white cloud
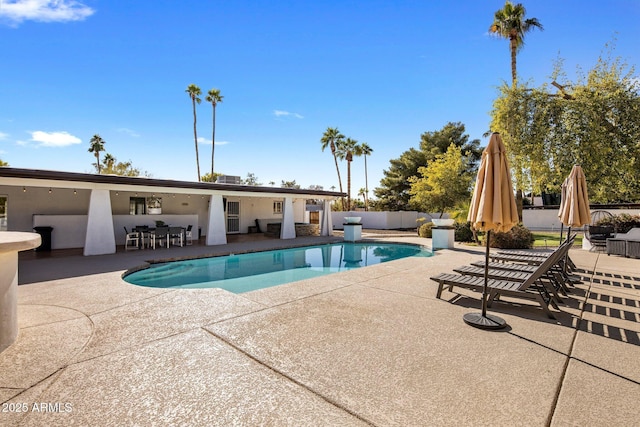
{"type": "Point", "coordinates": [281, 113]}
{"type": "Point", "coordinates": [3, 136]}
{"type": "Point", "coordinates": [53, 139]}
{"type": "Point", "coordinates": [17, 11]}
{"type": "Point", "coordinates": [129, 132]}
{"type": "Point", "coordinates": [205, 141]}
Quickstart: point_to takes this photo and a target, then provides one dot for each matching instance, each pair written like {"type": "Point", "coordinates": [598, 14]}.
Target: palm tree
{"type": "Point", "coordinates": [194, 93]}
{"type": "Point", "coordinates": [362, 192]}
{"type": "Point", "coordinates": [213, 96]}
{"type": "Point", "coordinates": [510, 23]}
{"type": "Point", "coordinates": [345, 150]}
{"type": "Point", "coordinates": [109, 162]}
{"type": "Point", "coordinates": [366, 151]}
{"type": "Point", "coordinates": [97, 145]}
{"type": "Point", "coordinates": [331, 138]}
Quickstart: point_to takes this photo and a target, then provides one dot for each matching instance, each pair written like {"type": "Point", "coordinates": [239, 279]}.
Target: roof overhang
{"type": "Point", "coordinates": [48, 178]}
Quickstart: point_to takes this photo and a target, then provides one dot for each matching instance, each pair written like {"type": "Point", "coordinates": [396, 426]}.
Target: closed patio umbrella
{"type": "Point", "coordinates": [493, 207]}
{"type": "Point", "coordinates": [574, 207]}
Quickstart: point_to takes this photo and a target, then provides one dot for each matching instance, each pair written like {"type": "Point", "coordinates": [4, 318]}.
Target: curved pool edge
{"type": "Point", "coordinates": [424, 252]}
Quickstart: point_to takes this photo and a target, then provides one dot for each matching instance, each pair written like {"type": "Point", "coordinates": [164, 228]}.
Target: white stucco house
{"type": "Point", "coordinates": [91, 211]}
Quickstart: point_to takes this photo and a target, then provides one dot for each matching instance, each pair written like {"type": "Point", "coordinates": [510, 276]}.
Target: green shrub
{"type": "Point", "coordinates": [463, 232]}
{"type": "Point", "coordinates": [425, 230]}
{"type": "Point", "coordinates": [519, 237]}
{"type": "Point", "coordinates": [622, 223]}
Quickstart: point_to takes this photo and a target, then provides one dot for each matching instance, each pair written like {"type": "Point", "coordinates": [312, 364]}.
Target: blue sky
{"type": "Point", "coordinates": [383, 72]}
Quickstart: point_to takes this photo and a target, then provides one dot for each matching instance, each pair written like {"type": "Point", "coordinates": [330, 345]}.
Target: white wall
{"type": "Point", "coordinates": [21, 206]}
{"type": "Point", "coordinates": [547, 219]}
{"type": "Point", "coordinates": [252, 208]}
{"type": "Point", "coordinates": [383, 220]}
{"type": "Point", "coordinates": [172, 204]}
{"type": "Point", "coordinates": [69, 231]}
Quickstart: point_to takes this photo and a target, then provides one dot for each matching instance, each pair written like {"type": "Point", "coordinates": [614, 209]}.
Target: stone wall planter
{"type": "Point", "coordinates": [442, 237]}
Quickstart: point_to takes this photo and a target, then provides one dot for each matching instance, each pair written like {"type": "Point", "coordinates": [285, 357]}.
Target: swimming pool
{"type": "Point", "coordinates": [257, 270]}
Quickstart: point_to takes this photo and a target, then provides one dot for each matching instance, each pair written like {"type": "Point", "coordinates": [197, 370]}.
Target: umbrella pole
{"type": "Point", "coordinates": [566, 256]}
{"type": "Point", "coordinates": [484, 320]}
{"type": "Point", "coordinates": [485, 286]}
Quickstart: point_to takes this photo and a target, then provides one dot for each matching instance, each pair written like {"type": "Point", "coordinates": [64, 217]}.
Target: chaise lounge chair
{"type": "Point", "coordinates": [532, 288]}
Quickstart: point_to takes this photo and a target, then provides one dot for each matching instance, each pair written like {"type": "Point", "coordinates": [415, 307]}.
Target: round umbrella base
{"type": "Point", "coordinates": [489, 321]}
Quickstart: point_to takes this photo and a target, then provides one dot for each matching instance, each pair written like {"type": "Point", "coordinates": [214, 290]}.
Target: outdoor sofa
{"type": "Point", "coordinates": [625, 244]}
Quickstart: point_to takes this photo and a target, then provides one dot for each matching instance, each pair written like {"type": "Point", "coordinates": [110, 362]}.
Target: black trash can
{"type": "Point", "coordinates": [45, 236]}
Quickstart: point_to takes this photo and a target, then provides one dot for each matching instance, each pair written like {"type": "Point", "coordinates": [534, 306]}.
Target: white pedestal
{"type": "Point", "coordinates": [352, 232]}
{"type": "Point", "coordinates": [10, 244]}
{"type": "Point", "coordinates": [442, 238]}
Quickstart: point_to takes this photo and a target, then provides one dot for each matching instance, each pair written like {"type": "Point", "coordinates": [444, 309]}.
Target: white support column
{"type": "Point", "coordinates": [100, 239]}
{"type": "Point", "coordinates": [326, 225]}
{"type": "Point", "coordinates": [288, 228]}
{"type": "Point", "coordinates": [216, 230]}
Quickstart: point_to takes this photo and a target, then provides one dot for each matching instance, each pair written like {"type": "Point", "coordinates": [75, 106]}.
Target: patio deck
{"type": "Point", "coordinates": [371, 346]}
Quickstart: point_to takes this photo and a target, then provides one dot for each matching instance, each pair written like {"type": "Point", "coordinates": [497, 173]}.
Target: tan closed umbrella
{"type": "Point", "coordinates": [493, 207]}
{"type": "Point", "coordinates": [574, 207]}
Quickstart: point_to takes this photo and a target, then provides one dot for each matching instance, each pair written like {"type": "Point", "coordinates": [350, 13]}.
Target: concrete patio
{"type": "Point", "coordinates": [371, 346]}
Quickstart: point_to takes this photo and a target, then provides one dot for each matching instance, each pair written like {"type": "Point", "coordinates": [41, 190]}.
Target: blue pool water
{"type": "Point", "coordinates": [248, 272]}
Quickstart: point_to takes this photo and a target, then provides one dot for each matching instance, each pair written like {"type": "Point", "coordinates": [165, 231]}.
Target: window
{"type": "Point", "coordinates": [137, 206]}
{"type": "Point", "coordinates": [277, 207]}
{"type": "Point", "coordinates": [145, 205]}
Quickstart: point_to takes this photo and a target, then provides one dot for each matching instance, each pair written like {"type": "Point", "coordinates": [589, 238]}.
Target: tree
{"type": "Point", "coordinates": [592, 122]}
{"type": "Point", "coordinates": [97, 145]}
{"type": "Point", "coordinates": [113, 167]}
{"type": "Point", "coordinates": [194, 93]}
{"type": "Point", "coordinates": [393, 193]}
{"type": "Point", "coordinates": [214, 97]}
{"type": "Point", "coordinates": [207, 177]}
{"type": "Point", "coordinates": [443, 184]}
{"type": "Point", "coordinates": [510, 23]}
{"type": "Point", "coordinates": [3, 163]}
{"type": "Point", "coordinates": [331, 138]}
{"type": "Point", "coordinates": [251, 179]}
{"type": "Point", "coordinates": [289, 184]}
{"type": "Point", "coordinates": [363, 192]}
{"type": "Point", "coordinates": [345, 150]}
{"type": "Point", "coordinates": [366, 151]}
{"type": "Point", "coordinates": [108, 161]}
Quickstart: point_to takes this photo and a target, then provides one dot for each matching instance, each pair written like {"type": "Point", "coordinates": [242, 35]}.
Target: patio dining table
{"type": "Point", "coordinates": [149, 232]}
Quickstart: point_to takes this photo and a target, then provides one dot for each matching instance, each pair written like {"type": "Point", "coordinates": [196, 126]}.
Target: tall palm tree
{"type": "Point", "coordinates": [510, 23]}
{"type": "Point", "coordinates": [97, 145]}
{"type": "Point", "coordinates": [345, 150]}
{"type": "Point", "coordinates": [194, 93]}
{"type": "Point", "coordinates": [366, 151]}
{"type": "Point", "coordinates": [213, 96]}
{"type": "Point", "coordinates": [331, 138]}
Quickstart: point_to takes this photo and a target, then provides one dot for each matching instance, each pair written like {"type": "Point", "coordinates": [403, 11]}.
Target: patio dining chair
{"type": "Point", "coordinates": [176, 236]}
{"type": "Point", "coordinates": [160, 236]}
{"type": "Point", "coordinates": [132, 239]}
{"type": "Point", "coordinates": [188, 234]}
